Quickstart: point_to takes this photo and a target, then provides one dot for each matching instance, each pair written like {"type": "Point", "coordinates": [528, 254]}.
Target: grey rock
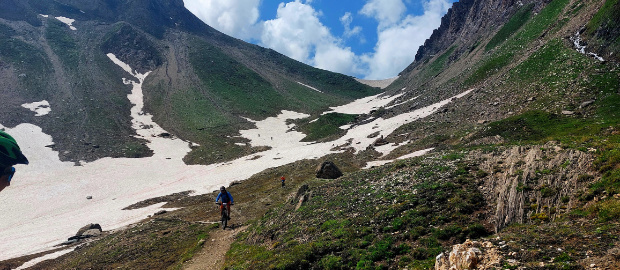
{"type": "Point", "coordinates": [92, 226]}
{"type": "Point", "coordinates": [91, 233]}
{"type": "Point", "coordinates": [586, 104]}
{"type": "Point", "coordinates": [328, 170]}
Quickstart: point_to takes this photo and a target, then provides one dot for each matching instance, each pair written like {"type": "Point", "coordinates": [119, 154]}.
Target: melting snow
{"type": "Point", "coordinates": [40, 108]}
{"type": "Point", "coordinates": [398, 104]}
{"type": "Point", "coordinates": [67, 21]}
{"type": "Point", "coordinates": [46, 203]}
{"type": "Point", "coordinates": [310, 87]}
{"type": "Point", "coordinates": [364, 105]}
{"type": "Point", "coordinates": [382, 162]}
{"type": "Point", "coordinates": [44, 258]}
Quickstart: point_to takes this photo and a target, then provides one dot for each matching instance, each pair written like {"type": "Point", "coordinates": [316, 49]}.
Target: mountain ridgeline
{"type": "Point", "coordinates": [201, 87]}
{"type": "Point", "coordinates": [527, 163]}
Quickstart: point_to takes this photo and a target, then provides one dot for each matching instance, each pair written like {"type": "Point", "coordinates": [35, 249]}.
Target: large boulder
{"type": "Point", "coordinates": [89, 227]}
{"type": "Point", "coordinates": [88, 231]}
{"type": "Point", "coordinates": [469, 255]}
{"type": "Point", "coordinates": [328, 170]}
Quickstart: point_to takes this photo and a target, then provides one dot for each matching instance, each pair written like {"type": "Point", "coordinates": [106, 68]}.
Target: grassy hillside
{"type": "Point", "coordinates": [217, 80]}
{"type": "Point", "coordinates": [539, 134]}
{"type": "Point", "coordinates": [532, 87]}
{"type": "Point", "coordinates": [398, 216]}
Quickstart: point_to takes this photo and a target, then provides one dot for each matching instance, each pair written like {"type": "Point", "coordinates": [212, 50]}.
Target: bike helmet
{"type": "Point", "coordinates": [10, 154]}
{"type": "Point", "coordinates": [222, 188]}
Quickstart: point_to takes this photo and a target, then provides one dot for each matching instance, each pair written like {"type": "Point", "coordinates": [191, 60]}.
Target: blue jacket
{"type": "Point", "coordinates": [220, 196]}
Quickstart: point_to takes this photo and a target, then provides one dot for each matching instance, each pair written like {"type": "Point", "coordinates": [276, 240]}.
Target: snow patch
{"type": "Point", "coordinates": [345, 127]}
{"type": "Point", "coordinates": [383, 162]}
{"type": "Point", "coordinates": [398, 104]}
{"type": "Point", "coordinates": [40, 108]}
{"type": "Point", "coordinates": [364, 105]}
{"type": "Point", "coordinates": [50, 256]}
{"type": "Point", "coordinates": [47, 201]}
{"type": "Point", "coordinates": [310, 87]}
{"type": "Point", "coordinates": [388, 148]}
{"type": "Point", "coordinates": [67, 21]}
{"type": "Point", "coordinates": [44, 16]}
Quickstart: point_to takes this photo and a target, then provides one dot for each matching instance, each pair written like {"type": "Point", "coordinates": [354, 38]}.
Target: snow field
{"type": "Point", "coordinates": [46, 203]}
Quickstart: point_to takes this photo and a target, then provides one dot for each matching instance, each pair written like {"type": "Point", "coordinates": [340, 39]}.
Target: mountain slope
{"type": "Point", "coordinates": [531, 141]}
{"type": "Point", "coordinates": [202, 85]}
{"type": "Point", "coordinates": [527, 163]}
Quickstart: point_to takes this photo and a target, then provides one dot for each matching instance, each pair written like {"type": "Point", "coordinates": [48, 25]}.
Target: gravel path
{"type": "Point", "coordinates": [212, 255]}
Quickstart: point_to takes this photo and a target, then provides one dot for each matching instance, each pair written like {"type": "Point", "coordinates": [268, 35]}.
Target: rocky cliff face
{"type": "Point", "coordinates": [533, 183]}
{"type": "Point", "coordinates": [467, 22]}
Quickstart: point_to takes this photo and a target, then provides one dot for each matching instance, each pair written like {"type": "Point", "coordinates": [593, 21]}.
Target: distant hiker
{"type": "Point", "coordinates": [226, 198]}
{"type": "Point", "coordinates": [282, 179]}
{"type": "Point", "coordinates": [10, 154]}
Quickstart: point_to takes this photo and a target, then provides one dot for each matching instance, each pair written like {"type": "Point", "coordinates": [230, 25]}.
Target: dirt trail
{"type": "Point", "coordinates": [214, 251]}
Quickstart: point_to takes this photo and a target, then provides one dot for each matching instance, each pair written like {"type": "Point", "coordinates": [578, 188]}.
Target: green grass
{"type": "Point", "coordinates": [606, 17]}
{"type": "Point", "coordinates": [540, 126]}
{"type": "Point", "coordinates": [489, 67]}
{"type": "Point", "coordinates": [132, 46]}
{"type": "Point", "coordinates": [326, 126]}
{"type": "Point", "coordinates": [513, 25]}
{"type": "Point", "coordinates": [161, 244]}
{"type": "Point", "coordinates": [351, 223]}
{"type": "Point", "coordinates": [439, 64]}
{"type": "Point", "coordinates": [63, 44]}
{"type": "Point", "coordinates": [517, 42]}
{"type": "Point", "coordinates": [334, 84]}
{"type": "Point", "coordinates": [27, 60]}
{"type": "Point", "coordinates": [241, 90]}
{"type": "Point", "coordinates": [553, 67]}
{"type": "Point", "coordinates": [306, 100]}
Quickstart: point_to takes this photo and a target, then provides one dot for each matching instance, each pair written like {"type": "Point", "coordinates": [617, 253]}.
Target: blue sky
{"type": "Point", "coordinates": [369, 39]}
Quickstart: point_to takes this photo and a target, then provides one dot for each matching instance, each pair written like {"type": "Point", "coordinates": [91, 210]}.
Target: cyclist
{"type": "Point", "coordinates": [10, 154]}
{"type": "Point", "coordinates": [225, 198]}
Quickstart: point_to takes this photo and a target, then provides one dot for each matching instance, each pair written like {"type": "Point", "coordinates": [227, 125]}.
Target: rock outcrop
{"type": "Point", "coordinates": [328, 170]}
{"type": "Point", "coordinates": [468, 21]}
{"type": "Point", "coordinates": [469, 255]}
{"type": "Point", "coordinates": [88, 231]}
{"type": "Point", "coordinates": [532, 183]}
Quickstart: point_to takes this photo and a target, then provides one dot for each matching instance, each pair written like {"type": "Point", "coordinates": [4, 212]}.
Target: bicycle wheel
{"type": "Point", "coordinates": [224, 219]}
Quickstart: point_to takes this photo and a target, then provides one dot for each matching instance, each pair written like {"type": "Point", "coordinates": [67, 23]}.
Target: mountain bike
{"type": "Point", "coordinates": [225, 217]}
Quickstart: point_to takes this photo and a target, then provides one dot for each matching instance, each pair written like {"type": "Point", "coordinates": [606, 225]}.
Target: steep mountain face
{"type": "Point", "coordinates": [467, 21]}
{"type": "Point", "coordinates": [201, 87]}
{"type": "Point", "coordinates": [517, 56]}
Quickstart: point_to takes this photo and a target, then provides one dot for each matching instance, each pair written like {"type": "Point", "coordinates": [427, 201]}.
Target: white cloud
{"type": "Point", "coordinates": [335, 58]}
{"type": "Point", "coordinates": [298, 32]}
{"type": "Point", "coordinates": [386, 12]}
{"type": "Point", "coordinates": [398, 44]}
{"type": "Point", "coordinates": [346, 21]}
{"type": "Point", "coordinates": [236, 18]}
{"type": "Point", "coordinates": [295, 31]}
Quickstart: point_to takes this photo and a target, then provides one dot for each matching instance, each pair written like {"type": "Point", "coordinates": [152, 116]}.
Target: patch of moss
{"type": "Point", "coordinates": [513, 25]}
{"type": "Point", "coordinates": [326, 126]}
{"type": "Point", "coordinates": [63, 44]}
